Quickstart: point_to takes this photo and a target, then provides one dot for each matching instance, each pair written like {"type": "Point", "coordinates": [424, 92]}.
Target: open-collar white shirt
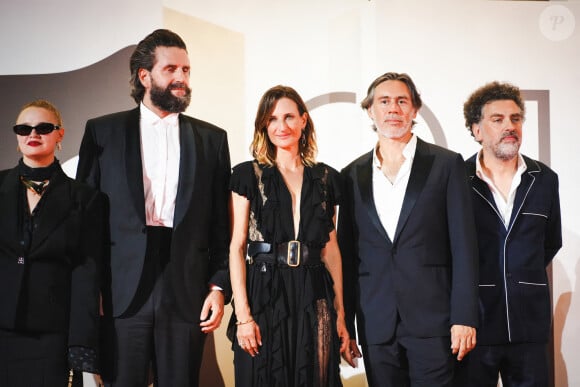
{"type": "Point", "coordinates": [160, 153]}
{"type": "Point", "coordinates": [505, 207]}
{"type": "Point", "coordinates": [389, 196]}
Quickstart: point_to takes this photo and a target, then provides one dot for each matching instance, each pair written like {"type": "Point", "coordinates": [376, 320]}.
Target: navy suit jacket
{"type": "Point", "coordinates": [424, 276]}
{"type": "Point", "coordinates": [110, 160]}
{"type": "Point", "coordinates": [514, 293]}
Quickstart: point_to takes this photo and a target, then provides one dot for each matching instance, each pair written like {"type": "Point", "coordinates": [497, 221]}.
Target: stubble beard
{"type": "Point", "coordinates": [393, 134]}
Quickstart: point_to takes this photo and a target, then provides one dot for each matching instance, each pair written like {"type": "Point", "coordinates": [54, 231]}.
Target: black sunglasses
{"type": "Point", "coordinates": [42, 128]}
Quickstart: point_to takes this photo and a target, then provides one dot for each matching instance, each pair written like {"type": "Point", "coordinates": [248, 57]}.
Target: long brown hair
{"type": "Point", "coordinates": [262, 148]}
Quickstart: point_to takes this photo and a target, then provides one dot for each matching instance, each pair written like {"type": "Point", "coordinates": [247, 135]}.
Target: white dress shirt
{"type": "Point", "coordinates": [505, 207]}
{"type": "Point", "coordinates": [160, 152]}
{"type": "Point", "coordinates": [389, 196]}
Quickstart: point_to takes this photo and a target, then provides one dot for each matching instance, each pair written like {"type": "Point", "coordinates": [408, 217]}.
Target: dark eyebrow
{"type": "Point", "coordinates": [399, 97]}
{"type": "Point", "coordinates": [503, 115]}
{"type": "Point", "coordinates": [284, 115]}
{"type": "Point", "coordinates": [174, 66]}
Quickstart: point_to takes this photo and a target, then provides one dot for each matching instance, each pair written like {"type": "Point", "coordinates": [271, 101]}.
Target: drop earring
{"type": "Point", "coordinates": [58, 146]}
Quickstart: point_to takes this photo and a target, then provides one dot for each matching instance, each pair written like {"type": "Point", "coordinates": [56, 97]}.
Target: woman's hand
{"type": "Point", "coordinates": [354, 354]}
{"type": "Point", "coordinates": [249, 337]}
{"type": "Point", "coordinates": [346, 344]}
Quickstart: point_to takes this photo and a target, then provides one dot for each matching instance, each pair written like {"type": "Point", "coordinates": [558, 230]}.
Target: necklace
{"type": "Point", "coordinates": [37, 188]}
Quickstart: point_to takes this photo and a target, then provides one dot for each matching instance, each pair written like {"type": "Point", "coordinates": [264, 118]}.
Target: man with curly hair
{"type": "Point", "coordinates": [517, 215]}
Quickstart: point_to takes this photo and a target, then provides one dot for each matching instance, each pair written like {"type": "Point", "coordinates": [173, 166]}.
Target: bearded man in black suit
{"type": "Point", "coordinates": [166, 175]}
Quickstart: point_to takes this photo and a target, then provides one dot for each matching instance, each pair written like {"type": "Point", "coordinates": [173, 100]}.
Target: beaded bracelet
{"type": "Point", "coordinates": [245, 322]}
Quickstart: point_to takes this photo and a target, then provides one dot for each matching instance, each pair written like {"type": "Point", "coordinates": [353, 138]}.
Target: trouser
{"type": "Point", "coordinates": [518, 365]}
{"type": "Point", "coordinates": [151, 335]}
{"type": "Point", "coordinates": [409, 362]}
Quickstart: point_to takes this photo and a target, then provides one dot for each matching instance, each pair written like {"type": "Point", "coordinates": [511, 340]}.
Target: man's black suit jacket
{"type": "Point", "coordinates": [426, 275]}
{"type": "Point", "coordinates": [110, 160]}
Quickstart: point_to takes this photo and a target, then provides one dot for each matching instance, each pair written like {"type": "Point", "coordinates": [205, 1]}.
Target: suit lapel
{"type": "Point", "coordinates": [54, 210]}
{"type": "Point", "coordinates": [365, 184]}
{"type": "Point", "coordinates": [9, 202]}
{"type": "Point", "coordinates": [133, 162]}
{"type": "Point", "coordinates": [422, 163]}
{"type": "Point", "coordinates": [190, 149]}
{"type": "Point", "coordinates": [528, 179]}
{"type": "Point", "coordinates": [480, 187]}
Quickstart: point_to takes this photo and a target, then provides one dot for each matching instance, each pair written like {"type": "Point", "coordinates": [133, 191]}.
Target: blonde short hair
{"type": "Point", "coordinates": [44, 104]}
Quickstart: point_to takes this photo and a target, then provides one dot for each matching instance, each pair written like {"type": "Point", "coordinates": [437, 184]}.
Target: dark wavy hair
{"type": "Point", "coordinates": [494, 91]}
{"type": "Point", "coordinates": [262, 148]}
{"type": "Point", "coordinates": [402, 77]}
{"type": "Point", "coordinates": [144, 57]}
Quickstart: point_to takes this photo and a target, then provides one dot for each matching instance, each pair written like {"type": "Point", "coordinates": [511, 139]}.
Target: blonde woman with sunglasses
{"type": "Point", "coordinates": [52, 242]}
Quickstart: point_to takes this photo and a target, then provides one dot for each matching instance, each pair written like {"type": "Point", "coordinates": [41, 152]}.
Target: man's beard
{"type": "Point", "coordinates": [166, 101]}
{"type": "Point", "coordinates": [507, 151]}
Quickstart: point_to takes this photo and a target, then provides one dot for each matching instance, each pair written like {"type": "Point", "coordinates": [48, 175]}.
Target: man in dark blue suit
{"type": "Point", "coordinates": [408, 242]}
{"type": "Point", "coordinates": [517, 215]}
{"type": "Point", "coordinates": [166, 175]}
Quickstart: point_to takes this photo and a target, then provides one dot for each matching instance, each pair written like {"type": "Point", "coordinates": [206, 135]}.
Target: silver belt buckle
{"type": "Point", "coordinates": [293, 255]}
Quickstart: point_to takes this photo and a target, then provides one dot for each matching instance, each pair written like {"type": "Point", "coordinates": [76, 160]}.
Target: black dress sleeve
{"type": "Point", "coordinates": [334, 184]}
{"type": "Point", "coordinates": [243, 180]}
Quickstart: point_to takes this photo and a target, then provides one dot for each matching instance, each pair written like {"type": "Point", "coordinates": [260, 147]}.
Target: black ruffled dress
{"type": "Point", "coordinates": [293, 306]}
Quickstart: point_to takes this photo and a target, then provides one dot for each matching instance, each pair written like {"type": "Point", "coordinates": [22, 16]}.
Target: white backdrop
{"type": "Point", "coordinates": [449, 47]}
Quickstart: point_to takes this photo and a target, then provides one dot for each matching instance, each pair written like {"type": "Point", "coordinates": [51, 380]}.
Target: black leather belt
{"type": "Point", "coordinates": [292, 253]}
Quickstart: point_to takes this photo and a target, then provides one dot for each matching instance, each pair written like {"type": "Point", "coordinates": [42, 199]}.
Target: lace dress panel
{"type": "Point", "coordinates": [324, 343]}
{"type": "Point", "coordinates": [253, 233]}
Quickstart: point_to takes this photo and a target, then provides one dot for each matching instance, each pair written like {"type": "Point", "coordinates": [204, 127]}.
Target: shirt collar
{"type": "Point", "coordinates": [150, 118]}
{"type": "Point", "coordinates": [408, 151]}
{"type": "Point", "coordinates": [522, 167]}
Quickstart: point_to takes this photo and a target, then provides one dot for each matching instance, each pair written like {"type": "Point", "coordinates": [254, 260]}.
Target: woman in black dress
{"type": "Point", "coordinates": [52, 234]}
{"type": "Point", "coordinates": [285, 264]}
